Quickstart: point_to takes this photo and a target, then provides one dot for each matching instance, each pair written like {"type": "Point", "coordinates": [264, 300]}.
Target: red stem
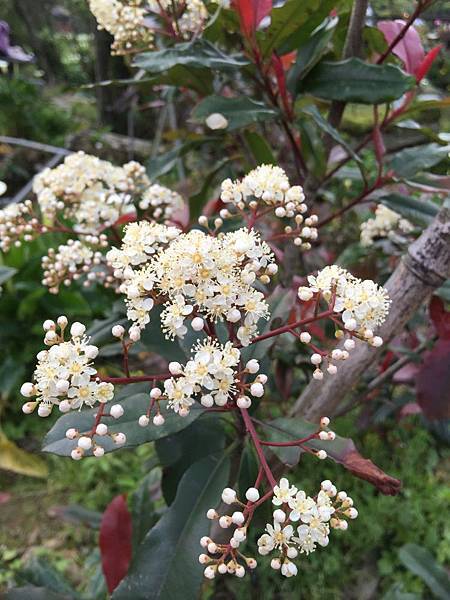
{"type": "Point", "coordinates": [259, 451]}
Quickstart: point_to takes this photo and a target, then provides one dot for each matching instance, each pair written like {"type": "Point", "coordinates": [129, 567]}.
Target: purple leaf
{"type": "Point", "coordinates": [409, 49]}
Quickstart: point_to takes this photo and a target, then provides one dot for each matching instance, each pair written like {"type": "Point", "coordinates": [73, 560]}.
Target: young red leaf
{"type": "Point", "coordinates": [278, 68]}
{"type": "Point", "coordinates": [426, 63]}
{"type": "Point", "coordinates": [365, 469]}
{"type": "Point", "coordinates": [251, 13]}
{"type": "Point", "coordinates": [433, 382]}
{"type": "Point", "coordinates": [440, 318]}
{"type": "Point", "coordinates": [115, 542]}
{"type": "Point", "coordinates": [409, 49]}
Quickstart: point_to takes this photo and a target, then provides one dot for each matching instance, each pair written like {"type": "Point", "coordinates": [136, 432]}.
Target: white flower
{"type": "Point", "coordinates": [283, 492]}
{"type": "Point", "coordinates": [161, 202]}
{"type": "Point", "coordinates": [216, 121]}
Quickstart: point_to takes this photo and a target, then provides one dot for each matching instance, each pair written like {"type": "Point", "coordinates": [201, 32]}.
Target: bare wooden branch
{"type": "Point", "coordinates": [422, 270]}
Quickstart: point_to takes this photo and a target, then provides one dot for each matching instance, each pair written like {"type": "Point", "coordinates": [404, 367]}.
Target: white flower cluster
{"type": "Point", "coordinates": [227, 555]}
{"type": "Point", "coordinates": [196, 275]}
{"type": "Point", "coordinates": [88, 441]}
{"type": "Point", "coordinates": [269, 185]}
{"type": "Point", "coordinates": [125, 21]}
{"type": "Point", "coordinates": [210, 375]}
{"type": "Point", "coordinates": [315, 515]}
{"type": "Point", "coordinates": [91, 192]}
{"type": "Point", "coordinates": [63, 375]}
{"type": "Point", "coordinates": [385, 224]}
{"type": "Point", "coordinates": [161, 203]}
{"type": "Point", "coordinates": [362, 304]}
{"type": "Point", "coordinates": [72, 261]}
{"type": "Point", "coordinates": [17, 221]}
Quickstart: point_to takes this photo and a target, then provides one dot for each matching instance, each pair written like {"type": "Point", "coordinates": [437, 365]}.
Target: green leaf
{"type": "Point", "coordinates": [292, 19]}
{"type": "Point", "coordinates": [198, 53]}
{"type": "Point", "coordinates": [39, 572]}
{"type": "Point", "coordinates": [410, 161]}
{"type": "Point", "coordinates": [309, 54]}
{"type": "Point", "coordinates": [13, 458]}
{"type": "Point", "coordinates": [135, 403]}
{"type": "Point", "coordinates": [154, 340]}
{"type": "Point", "coordinates": [32, 592]}
{"type": "Point", "coordinates": [166, 565]}
{"type": "Point", "coordinates": [178, 452]}
{"type": "Point", "coordinates": [248, 470]}
{"type": "Point", "coordinates": [422, 563]}
{"type": "Point", "coordinates": [444, 291]}
{"type": "Point", "coordinates": [239, 112]}
{"type": "Point", "coordinates": [164, 163]}
{"type": "Point", "coordinates": [142, 508]}
{"type": "Point", "coordinates": [6, 273]}
{"type": "Point", "coordinates": [198, 200]}
{"type": "Point", "coordinates": [259, 148]}
{"type": "Point", "coordinates": [341, 450]}
{"type": "Point", "coordinates": [421, 212]}
{"type": "Point", "coordinates": [353, 80]}
{"type": "Point", "coordinates": [324, 125]}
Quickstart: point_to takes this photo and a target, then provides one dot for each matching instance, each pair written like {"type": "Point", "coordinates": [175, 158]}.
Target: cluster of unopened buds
{"type": "Point", "coordinates": [89, 441]}
{"type": "Point", "coordinates": [73, 261]}
{"type": "Point", "coordinates": [300, 522]}
{"type": "Point", "coordinates": [64, 374]}
{"type": "Point", "coordinates": [267, 187]}
{"type": "Point", "coordinates": [360, 305]}
{"type": "Point", "coordinates": [16, 223]}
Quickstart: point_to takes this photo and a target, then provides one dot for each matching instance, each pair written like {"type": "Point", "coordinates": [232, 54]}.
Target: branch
{"type": "Point", "coordinates": [424, 268]}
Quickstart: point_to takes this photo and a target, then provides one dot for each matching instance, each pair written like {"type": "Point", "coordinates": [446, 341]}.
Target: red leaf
{"type": "Point", "coordinates": [426, 63]}
{"type": "Point", "coordinates": [128, 218]}
{"type": "Point", "coordinates": [277, 66]}
{"type": "Point", "coordinates": [115, 542]}
{"type": "Point", "coordinates": [409, 49]}
{"type": "Point", "coordinates": [440, 318]}
{"type": "Point", "coordinates": [366, 469]}
{"type": "Point", "coordinates": [433, 382]}
{"type": "Point", "coordinates": [251, 13]}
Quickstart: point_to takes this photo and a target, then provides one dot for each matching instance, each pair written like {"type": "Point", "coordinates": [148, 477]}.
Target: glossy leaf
{"type": "Point", "coordinates": [421, 212]}
{"type": "Point", "coordinates": [341, 450]}
{"type": "Point", "coordinates": [325, 126]}
{"type": "Point", "coordinates": [259, 148]}
{"type": "Point", "coordinates": [409, 49]}
{"type": "Point", "coordinates": [6, 273]}
{"type": "Point", "coordinates": [293, 19]}
{"type": "Point", "coordinates": [115, 541]}
{"type": "Point", "coordinates": [198, 53]}
{"type": "Point", "coordinates": [179, 451]}
{"type": "Point", "coordinates": [309, 54]}
{"type": "Point", "coordinates": [251, 13]}
{"type": "Point", "coordinates": [353, 80]}
{"type": "Point", "coordinates": [166, 565]}
{"type": "Point", "coordinates": [135, 403]}
{"type": "Point", "coordinates": [422, 563]}
{"type": "Point", "coordinates": [239, 112]}
{"type": "Point", "coordinates": [32, 592]}
{"type": "Point", "coordinates": [433, 382]}
{"type": "Point", "coordinates": [427, 62]}
{"type": "Point", "coordinates": [410, 161]}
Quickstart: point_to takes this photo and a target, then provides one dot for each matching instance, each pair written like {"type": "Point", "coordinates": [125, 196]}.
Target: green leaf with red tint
{"type": "Point", "coordinates": [251, 13]}
{"type": "Point", "coordinates": [115, 542]}
{"type": "Point", "coordinates": [341, 450]}
{"type": "Point", "coordinates": [433, 382]}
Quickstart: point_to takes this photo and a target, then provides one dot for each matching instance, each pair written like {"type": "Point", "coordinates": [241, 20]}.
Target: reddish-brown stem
{"type": "Point", "coordinates": [135, 379]}
{"type": "Point", "coordinates": [313, 436]}
{"type": "Point", "coordinates": [98, 418]}
{"type": "Point", "coordinates": [126, 368]}
{"type": "Point", "coordinates": [259, 451]}
{"type": "Point", "coordinates": [287, 328]}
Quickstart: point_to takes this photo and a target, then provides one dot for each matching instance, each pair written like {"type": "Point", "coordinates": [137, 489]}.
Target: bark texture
{"type": "Point", "coordinates": [422, 270]}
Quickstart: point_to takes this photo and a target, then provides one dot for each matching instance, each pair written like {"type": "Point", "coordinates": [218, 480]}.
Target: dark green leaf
{"type": "Point", "coordinates": [198, 53]}
{"type": "Point", "coordinates": [330, 130]}
{"type": "Point", "coordinates": [135, 404]}
{"type": "Point", "coordinates": [198, 200]}
{"type": "Point", "coordinates": [142, 509]}
{"type": "Point", "coordinates": [309, 54]}
{"type": "Point", "coordinates": [166, 566]}
{"type": "Point", "coordinates": [410, 161]}
{"type": "Point", "coordinates": [248, 470]}
{"type": "Point", "coordinates": [165, 162]}
{"type": "Point", "coordinates": [31, 592]}
{"type": "Point", "coordinates": [421, 562]}
{"type": "Point", "coordinates": [239, 112]}
{"type": "Point", "coordinates": [294, 20]}
{"type": "Point", "coordinates": [260, 149]}
{"type": "Point", "coordinates": [154, 340]}
{"type": "Point", "coordinates": [40, 573]}
{"type": "Point", "coordinates": [353, 80]}
{"type": "Point", "coordinates": [421, 212]}
{"type": "Point", "coordinates": [444, 291]}
{"type": "Point", "coordinates": [178, 452]}
{"type": "Point", "coordinates": [6, 273]}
